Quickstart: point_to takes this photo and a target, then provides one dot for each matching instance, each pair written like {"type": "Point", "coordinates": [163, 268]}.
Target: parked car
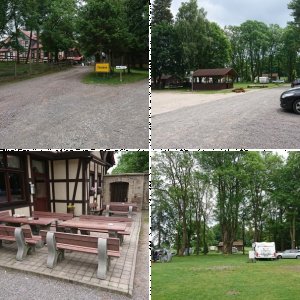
{"type": "Point", "coordinates": [292, 253]}
{"type": "Point", "coordinates": [290, 100]}
{"type": "Point", "coordinates": [295, 82]}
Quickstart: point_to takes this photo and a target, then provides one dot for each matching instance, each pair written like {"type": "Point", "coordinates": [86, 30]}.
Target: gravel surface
{"type": "Point", "coordinates": [253, 120]}
{"type": "Point", "coordinates": [58, 111]}
{"type": "Point", "coordinates": [19, 285]}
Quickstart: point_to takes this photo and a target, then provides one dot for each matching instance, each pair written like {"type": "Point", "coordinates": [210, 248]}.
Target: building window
{"type": "Point", "coordinates": [13, 161]}
{"type": "Point", "coordinates": [12, 179]}
{"type": "Point", "coordinates": [92, 180]}
{"type": "Point", "coordinates": [99, 180]}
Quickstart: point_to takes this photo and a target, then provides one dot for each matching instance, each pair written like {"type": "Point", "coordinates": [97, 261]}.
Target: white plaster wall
{"type": "Point", "coordinates": [61, 207]}
{"type": "Point", "coordinates": [78, 195]}
{"type": "Point", "coordinates": [59, 169]}
{"type": "Point", "coordinates": [73, 165]}
{"type": "Point", "coordinates": [60, 190]}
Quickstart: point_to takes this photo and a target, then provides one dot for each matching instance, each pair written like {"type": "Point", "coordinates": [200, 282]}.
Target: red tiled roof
{"type": "Point", "coordinates": [214, 72]}
{"type": "Point", "coordinates": [27, 33]}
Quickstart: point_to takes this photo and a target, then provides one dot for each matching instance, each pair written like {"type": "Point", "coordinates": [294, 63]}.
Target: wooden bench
{"type": "Point", "coordinates": [119, 209]}
{"type": "Point", "coordinates": [5, 213]}
{"type": "Point", "coordinates": [23, 236]}
{"type": "Point", "coordinates": [59, 216]}
{"type": "Point", "coordinates": [58, 242]}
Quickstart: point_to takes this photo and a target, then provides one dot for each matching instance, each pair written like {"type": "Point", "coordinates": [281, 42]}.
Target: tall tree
{"type": "Point", "coordinates": [294, 5]}
{"type": "Point", "coordinates": [191, 30]}
{"type": "Point", "coordinates": [102, 28]}
{"type": "Point", "coordinates": [228, 178]}
{"type": "Point", "coordinates": [133, 162]}
{"type": "Point", "coordinates": [3, 16]}
{"type": "Point", "coordinates": [255, 37]}
{"type": "Point", "coordinates": [59, 26]}
{"type": "Point", "coordinates": [161, 12]}
{"type": "Point", "coordinates": [164, 54]}
{"type": "Point", "coordinates": [290, 48]}
{"type": "Point", "coordinates": [137, 18]}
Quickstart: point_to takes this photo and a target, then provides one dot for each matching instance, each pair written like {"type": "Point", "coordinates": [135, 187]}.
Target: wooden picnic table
{"type": "Point", "coordinates": [122, 204]}
{"type": "Point", "coordinates": [35, 225]}
{"type": "Point", "coordinates": [111, 227]}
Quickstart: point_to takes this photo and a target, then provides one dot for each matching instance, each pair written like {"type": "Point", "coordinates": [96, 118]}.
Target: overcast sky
{"type": "Point", "coordinates": [235, 12]}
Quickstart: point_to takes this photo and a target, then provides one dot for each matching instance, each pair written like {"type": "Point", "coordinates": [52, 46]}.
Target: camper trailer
{"type": "Point", "coordinates": [263, 79]}
{"type": "Point", "coordinates": [264, 250]}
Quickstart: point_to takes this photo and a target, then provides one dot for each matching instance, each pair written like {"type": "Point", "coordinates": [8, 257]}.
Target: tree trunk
{"type": "Point", "coordinates": [29, 47]}
{"type": "Point", "coordinates": [293, 231]}
{"type": "Point", "coordinates": [38, 46]}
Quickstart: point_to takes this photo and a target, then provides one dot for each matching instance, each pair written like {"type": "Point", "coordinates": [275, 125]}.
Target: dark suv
{"type": "Point", "coordinates": [295, 82]}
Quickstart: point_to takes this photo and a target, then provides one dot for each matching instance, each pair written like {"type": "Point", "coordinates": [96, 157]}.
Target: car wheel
{"type": "Point", "coordinates": [279, 257]}
{"type": "Point", "coordinates": [296, 106]}
{"type": "Point", "coordinates": [297, 257]}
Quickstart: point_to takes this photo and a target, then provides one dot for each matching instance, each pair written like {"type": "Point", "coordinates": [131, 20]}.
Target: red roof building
{"type": "Point", "coordinates": [214, 79]}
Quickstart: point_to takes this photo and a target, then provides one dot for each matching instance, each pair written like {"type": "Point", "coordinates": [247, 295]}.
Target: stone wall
{"type": "Point", "coordinates": [138, 190]}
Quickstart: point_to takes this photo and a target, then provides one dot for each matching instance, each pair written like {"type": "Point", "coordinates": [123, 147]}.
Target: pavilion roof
{"type": "Point", "coordinates": [214, 72]}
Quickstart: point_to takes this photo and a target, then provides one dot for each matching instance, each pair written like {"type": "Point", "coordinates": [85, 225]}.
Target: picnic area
{"type": "Point", "coordinates": [94, 250]}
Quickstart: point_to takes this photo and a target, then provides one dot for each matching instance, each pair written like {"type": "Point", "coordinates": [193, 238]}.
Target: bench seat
{"type": "Point", "coordinates": [58, 242]}
{"type": "Point", "coordinates": [23, 236]}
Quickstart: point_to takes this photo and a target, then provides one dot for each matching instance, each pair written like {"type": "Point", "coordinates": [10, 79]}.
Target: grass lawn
{"type": "Point", "coordinates": [243, 85]}
{"type": "Point", "coordinates": [114, 79]}
{"type": "Point", "coordinates": [217, 276]}
{"type": "Point", "coordinates": [24, 71]}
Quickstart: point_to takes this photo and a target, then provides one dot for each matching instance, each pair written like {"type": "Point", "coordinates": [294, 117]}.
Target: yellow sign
{"type": "Point", "coordinates": [102, 68]}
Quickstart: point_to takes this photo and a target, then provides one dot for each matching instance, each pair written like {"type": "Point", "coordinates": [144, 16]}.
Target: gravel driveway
{"type": "Point", "coordinates": [58, 111]}
{"type": "Point", "coordinates": [253, 120]}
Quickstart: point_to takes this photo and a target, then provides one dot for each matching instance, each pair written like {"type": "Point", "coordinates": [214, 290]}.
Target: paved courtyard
{"type": "Point", "coordinates": [80, 268]}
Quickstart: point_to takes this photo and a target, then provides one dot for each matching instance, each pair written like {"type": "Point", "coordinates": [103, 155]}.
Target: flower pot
{"type": "Point", "coordinates": [71, 210]}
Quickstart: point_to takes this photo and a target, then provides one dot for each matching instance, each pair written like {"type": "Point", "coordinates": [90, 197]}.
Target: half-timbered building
{"type": "Point", "coordinates": [52, 181]}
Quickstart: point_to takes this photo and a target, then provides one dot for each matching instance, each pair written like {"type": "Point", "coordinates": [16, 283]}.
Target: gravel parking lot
{"type": "Point", "coordinates": [253, 120]}
{"type": "Point", "coordinates": [58, 111]}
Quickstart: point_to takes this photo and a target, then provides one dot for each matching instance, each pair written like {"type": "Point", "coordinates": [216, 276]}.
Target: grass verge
{"type": "Point", "coordinates": [217, 276]}
{"type": "Point", "coordinates": [243, 85]}
{"type": "Point", "coordinates": [114, 78]}
{"type": "Point", "coordinates": [27, 71]}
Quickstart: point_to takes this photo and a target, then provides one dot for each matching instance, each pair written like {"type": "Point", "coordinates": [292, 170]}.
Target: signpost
{"type": "Point", "coordinates": [192, 73]}
{"type": "Point", "coordinates": [102, 68]}
{"type": "Point", "coordinates": [121, 68]}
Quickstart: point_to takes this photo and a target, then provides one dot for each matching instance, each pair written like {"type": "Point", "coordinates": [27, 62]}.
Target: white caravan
{"type": "Point", "coordinates": [264, 250]}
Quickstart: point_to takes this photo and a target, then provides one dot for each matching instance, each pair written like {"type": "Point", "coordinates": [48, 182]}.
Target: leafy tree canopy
{"type": "Point", "coordinates": [133, 162]}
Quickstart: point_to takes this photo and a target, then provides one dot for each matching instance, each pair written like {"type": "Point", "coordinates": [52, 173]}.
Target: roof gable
{"type": "Point", "coordinates": [214, 72]}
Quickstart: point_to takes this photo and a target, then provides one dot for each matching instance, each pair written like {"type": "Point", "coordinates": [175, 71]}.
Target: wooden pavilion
{"type": "Point", "coordinates": [214, 79]}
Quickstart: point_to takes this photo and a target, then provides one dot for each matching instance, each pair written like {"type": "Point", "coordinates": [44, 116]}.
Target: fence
{"type": "Point", "coordinates": [11, 70]}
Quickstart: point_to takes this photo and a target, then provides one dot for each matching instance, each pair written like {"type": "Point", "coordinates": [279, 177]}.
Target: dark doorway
{"type": "Point", "coordinates": [40, 180]}
{"type": "Point", "coordinates": [119, 192]}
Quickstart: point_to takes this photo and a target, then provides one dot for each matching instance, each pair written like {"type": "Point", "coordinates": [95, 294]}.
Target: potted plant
{"type": "Point", "coordinates": [71, 208]}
